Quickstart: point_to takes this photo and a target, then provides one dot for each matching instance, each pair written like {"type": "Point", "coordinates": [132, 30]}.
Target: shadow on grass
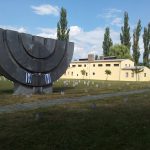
{"type": "Point", "coordinates": [55, 90]}
{"type": "Point", "coordinates": [110, 126]}
{"type": "Point", "coordinates": [6, 91]}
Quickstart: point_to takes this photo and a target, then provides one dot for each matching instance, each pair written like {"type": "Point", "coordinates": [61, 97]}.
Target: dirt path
{"type": "Point", "coordinates": [47, 103]}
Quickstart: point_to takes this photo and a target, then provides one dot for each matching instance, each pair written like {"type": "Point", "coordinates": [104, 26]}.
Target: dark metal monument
{"type": "Point", "coordinates": [33, 63]}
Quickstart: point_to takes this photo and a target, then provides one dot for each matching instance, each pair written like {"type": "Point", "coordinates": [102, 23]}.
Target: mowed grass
{"type": "Point", "coordinates": [117, 123]}
{"type": "Point", "coordinates": [69, 88]}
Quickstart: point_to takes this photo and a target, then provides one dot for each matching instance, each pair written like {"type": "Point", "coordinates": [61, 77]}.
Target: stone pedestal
{"type": "Point", "coordinates": [26, 90]}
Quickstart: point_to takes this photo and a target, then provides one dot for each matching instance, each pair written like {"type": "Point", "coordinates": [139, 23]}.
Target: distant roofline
{"type": "Point", "coordinates": [96, 61]}
{"type": "Point", "coordinates": [133, 68]}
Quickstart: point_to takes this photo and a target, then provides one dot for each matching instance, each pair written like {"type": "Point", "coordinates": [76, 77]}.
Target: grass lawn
{"type": "Point", "coordinates": [69, 88]}
{"type": "Point", "coordinates": [119, 123]}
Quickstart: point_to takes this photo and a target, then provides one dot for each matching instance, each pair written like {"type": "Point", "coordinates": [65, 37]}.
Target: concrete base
{"type": "Point", "coordinates": [26, 90]}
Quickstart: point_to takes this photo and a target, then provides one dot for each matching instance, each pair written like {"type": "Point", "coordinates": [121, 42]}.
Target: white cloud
{"type": "Point", "coordinates": [110, 13]}
{"type": "Point", "coordinates": [117, 21]}
{"type": "Point", "coordinates": [79, 52]}
{"type": "Point", "coordinates": [47, 32]}
{"type": "Point", "coordinates": [74, 30]}
{"type": "Point", "coordinates": [89, 41]}
{"type": "Point", "coordinates": [19, 29]}
{"type": "Point", "coordinates": [112, 16]}
{"type": "Point", "coordinates": [46, 10]}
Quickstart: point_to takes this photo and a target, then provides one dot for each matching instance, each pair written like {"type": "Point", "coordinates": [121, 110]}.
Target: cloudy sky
{"type": "Point", "coordinates": [87, 19]}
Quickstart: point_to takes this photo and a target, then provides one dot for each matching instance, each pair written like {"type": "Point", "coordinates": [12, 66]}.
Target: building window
{"type": "Point", "coordinates": [86, 74]}
{"type": "Point", "coordinates": [68, 73]}
{"type": "Point", "coordinates": [127, 74]}
{"type": "Point", "coordinates": [84, 65]}
{"type": "Point", "coordinates": [93, 73]}
{"type": "Point", "coordinates": [126, 65]}
{"type": "Point", "coordinates": [77, 74]}
{"type": "Point", "coordinates": [73, 65]}
{"type": "Point", "coordinates": [100, 65]}
{"type": "Point", "coordinates": [129, 65]}
{"type": "Point", "coordinates": [132, 75]}
{"type": "Point", "coordinates": [116, 65]}
{"type": "Point", "coordinates": [144, 74]}
{"type": "Point", "coordinates": [93, 65]}
{"type": "Point", "coordinates": [107, 65]}
{"type": "Point", "coordinates": [72, 73]}
{"type": "Point", "coordinates": [79, 65]}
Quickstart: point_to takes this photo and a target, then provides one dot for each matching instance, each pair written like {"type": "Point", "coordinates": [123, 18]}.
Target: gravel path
{"type": "Point", "coordinates": [46, 103]}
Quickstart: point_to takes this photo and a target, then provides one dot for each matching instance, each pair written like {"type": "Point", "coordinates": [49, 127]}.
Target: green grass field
{"type": "Point", "coordinates": [113, 124]}
{"type": "Point", "coordinates": [117, 123]}
{"type": "Point", "coordinates": [69, 88]}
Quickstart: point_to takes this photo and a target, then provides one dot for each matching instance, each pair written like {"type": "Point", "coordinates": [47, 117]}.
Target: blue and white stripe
{"type": "Point", "coordinates": [28, 77]}
{"type": "Point", "coordinates": [48, 78]}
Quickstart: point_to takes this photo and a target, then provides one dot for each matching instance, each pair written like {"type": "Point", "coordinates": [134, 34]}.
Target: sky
{"type": "Point", "coordinates": [87, 20]}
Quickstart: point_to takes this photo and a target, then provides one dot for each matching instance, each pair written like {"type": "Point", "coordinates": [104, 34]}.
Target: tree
{"type": "Point", "coordinates": [83, 72]}
{"type": "Point", "coordinates": [107, 43]}
{"type": "Point", "coordinates": [120, 51]}
{"type": "Point", "coordinates": [137, 70]}
{"type": "Point", "coordinates": [96, 57]}
{"type": "Point", "coordinates": [62, 30]}
{"type": "Point", "coordinates": [146, 41]}
{"type": "Point", "coordinates": [107, 72]}
{"type": "Point", "coordinates": [135, 47]}
{"type": "Point", "coordinates": [125, 35]}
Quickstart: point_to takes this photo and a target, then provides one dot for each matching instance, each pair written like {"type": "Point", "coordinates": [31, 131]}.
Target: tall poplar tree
{"type": "Point", "coordinates": [125, 35]}
{"type": "Point", "coordinates": [135, 46]}
{"type": "Point", "coordinates": [62, 29]}
{"type": "Point", "coordinates": [146, 41]}
{"type": "Point", "coordinates": [107, 43]}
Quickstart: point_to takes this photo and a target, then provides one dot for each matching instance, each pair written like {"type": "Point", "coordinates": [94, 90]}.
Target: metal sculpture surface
{"type": "Point", "coordinates": [33, 63]}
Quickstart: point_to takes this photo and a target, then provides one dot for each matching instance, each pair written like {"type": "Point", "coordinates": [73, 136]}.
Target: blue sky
{"type": "Point", "coordinates": [87, 19]}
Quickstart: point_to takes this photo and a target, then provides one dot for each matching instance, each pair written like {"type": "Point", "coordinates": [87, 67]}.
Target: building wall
{"type": "Point", "coordinates": [129, 75]}
{"type": "Point", "coordinates": [127, 63]}
{"type": "Point", "coordinates": [96, 70]}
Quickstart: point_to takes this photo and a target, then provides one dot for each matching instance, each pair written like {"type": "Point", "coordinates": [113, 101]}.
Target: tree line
{"type": "Point", "coordinates": [122, 50]}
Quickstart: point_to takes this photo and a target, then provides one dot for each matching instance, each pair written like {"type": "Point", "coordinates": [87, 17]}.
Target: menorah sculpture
{"type": "Point", "coordinates": [33, 63]}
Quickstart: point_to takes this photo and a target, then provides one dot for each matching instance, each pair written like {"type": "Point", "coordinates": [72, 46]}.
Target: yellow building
{"type": "Point", "coordinates": [121, 70]}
